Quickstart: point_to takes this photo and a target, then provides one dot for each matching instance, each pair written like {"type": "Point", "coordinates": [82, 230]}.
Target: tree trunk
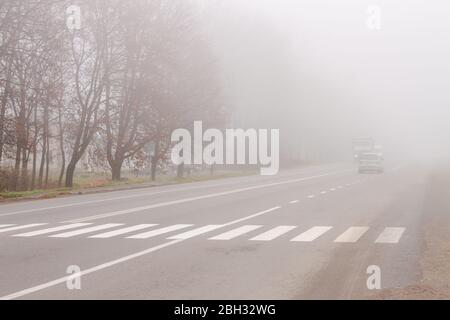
{"type": "Point", "coordinates": [20, 145]}
{"type": "Point", "coordinates": [70, 173]}
{"type": "Point", "coordinates": [61, 148]}
{"type": "Point", "coordinates": [3, 110]}
{"type": "Point", "coordinates": [116, 170]}
{"type": "Point", "coordinates": [24, 178]}
{"type": "Point", "coordinates": [36, 133]}
{"type": "Point", "coordinates": [47, 162]}
{"type": "Point", "coordinates": [42, 164]}
{"type": "Point", "coordinates": [155, 158]}
{"type": "Point", "coordinates": [2, 124]}
{"type": "Point", "coordinates": [153, 168]}
{"type": "Point", "coordinates": [61, 173]}
{"type": "Point", "coordinates": [44, 147]}
{"type": "Point", "coordinates": [15, 176]}
{"type": "Point", "coordinates": [33, 174]}
{"type": "Point", "coordinates": [180, 171]}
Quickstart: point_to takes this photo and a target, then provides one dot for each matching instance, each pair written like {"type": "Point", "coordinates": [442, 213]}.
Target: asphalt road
{"type": "Point", "coordinates": [303, 234]}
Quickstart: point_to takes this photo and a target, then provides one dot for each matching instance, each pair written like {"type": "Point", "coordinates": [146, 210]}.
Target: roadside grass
{"type": "Point", "coordinates": [45, 193]}
{"type": "Point", "coordinates": [91, 183]}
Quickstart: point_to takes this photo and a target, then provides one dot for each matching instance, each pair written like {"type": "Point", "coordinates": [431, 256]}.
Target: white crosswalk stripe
{"type": "Point", "coordinates": [312, 234]}
{"type": "Point", "coordinates": [160, 231]}
{"type": "Point", "coordinates": [235, 233]}
{"type": "Point", "coordinates": [86, 230]}
{"type": "Point", "coordinates": [51, 230]}
{"type": "Point", "coordinates": [196, 232]}
{"type": "Point", "coordinates": [273, 233]}
{"type": "Point", "coordinates": [118, 232]}
{"type": "Point", "coordinates": [390, 235]}
{"type": "Point", "coordinates": [22, 227]}
{"type": "Point", "coordinates": [352, 234]}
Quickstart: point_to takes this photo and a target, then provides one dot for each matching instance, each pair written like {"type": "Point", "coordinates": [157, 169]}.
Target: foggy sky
{"type": "Point", "coordinates": [316, 71]}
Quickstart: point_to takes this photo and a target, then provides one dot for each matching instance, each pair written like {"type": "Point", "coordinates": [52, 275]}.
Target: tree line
{"type": "Point", "coordinates": [105, 77]}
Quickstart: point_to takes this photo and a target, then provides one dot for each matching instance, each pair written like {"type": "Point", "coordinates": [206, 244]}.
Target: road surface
{"type": "Point", "coordinates": [309, 233]}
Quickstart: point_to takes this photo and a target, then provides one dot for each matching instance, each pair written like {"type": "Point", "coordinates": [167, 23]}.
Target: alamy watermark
{"type": "Point", "coordinates": [373, 21]}
{"type": "Point", "coordinates": [73, 21]}
{"type": "Point", "coordinates": [374, 278]}
{"type": "Point", "coordinates": [234, 146]}
{"type": "Point", "coordinates": [73, 281]}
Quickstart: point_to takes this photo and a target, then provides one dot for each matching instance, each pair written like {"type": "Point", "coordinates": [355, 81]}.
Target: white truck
{"type": "Point", "coordinates": [370, 162]}
{"type": "Point", "coordinates": [362, 146]}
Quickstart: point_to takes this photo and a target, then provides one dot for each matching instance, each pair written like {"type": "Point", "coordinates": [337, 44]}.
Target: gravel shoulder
{"type": "Point", "coordinates": [435, 258]}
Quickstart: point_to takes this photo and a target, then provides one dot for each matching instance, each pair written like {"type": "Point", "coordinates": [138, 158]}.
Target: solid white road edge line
{"type": "Point", "coordinates": [87, 271]}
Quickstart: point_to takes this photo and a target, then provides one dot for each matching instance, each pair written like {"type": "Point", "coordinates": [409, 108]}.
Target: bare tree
{"type": "Point", "coordinates": [127, 104]}
{"type": "Point", "coordinates": [87, 48]}
{"type": "Point", "coordinates": [135, 71]}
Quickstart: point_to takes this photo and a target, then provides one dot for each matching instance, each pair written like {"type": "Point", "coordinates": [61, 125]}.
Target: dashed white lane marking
{"type": "Point", "coordinates": [390, 235]}
{"type": "Point", "coordinates": [196, 232]}
{"type": "Point", "coordinates": [332, 189]}
{"type": "Point", "coordinates": [340, 187]}
{"type": "Point", "coordinates": [115, 233]}
{"type": "Point", "coordinates": [294, 201]}
{"type": "Point", "coordinates": [352, 234]}
{"type": "Point", "coordinates": [273, 233]}
{"type": "Point", "coordinates": [171, 191]}
{"type": "Point", "coordinates": [323, 192]}
{"type": "Point", "coordinates": [312, 234]}
{"type": "Point", "coordinates": [235, 233]}
{"type": "Point", "coordinates": [86, 230]}
{"type": "Point", "coordinates": [22, 227]}
{"type": "Point", "coordinates": [50, 230]}
{"type": "Point", "coordinates": [251, 216]}
{"type": "Point", "coordinates": [202, 197]}
{"type": "Point", "coordinates": [311, 196]}
{"type": "Point", "coordinates": [160, 231]}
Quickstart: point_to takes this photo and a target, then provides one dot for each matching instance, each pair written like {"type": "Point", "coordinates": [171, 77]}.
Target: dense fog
{"type": "Point", "coordinates": [100, 86]}
{"type": "Point", "coordinates": [324, 73]}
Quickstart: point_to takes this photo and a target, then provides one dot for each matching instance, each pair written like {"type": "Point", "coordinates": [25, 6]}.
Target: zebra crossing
{"type": "Point", "coordinates": [312, 234]}
{"type": "Point", "coordinates": [254, 233]}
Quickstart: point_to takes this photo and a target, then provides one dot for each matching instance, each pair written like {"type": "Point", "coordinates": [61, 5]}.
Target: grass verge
{"type": "Point", "coordinates": [91, 184]}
